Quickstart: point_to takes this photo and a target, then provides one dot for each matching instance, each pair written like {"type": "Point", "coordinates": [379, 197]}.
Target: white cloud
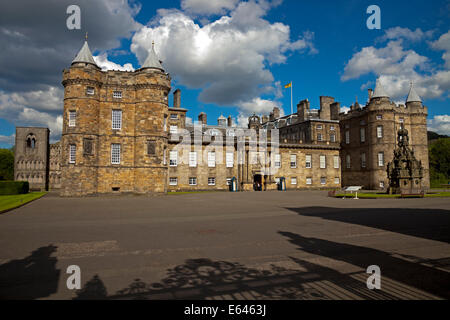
{"type": "Point", "coordinates": [440, 124]}
{"type": "Point", "coordinates": [34, 108]}
{"type": "Point", "coordinates": [405, 33]}
{"type": "Point", "coordinates": [228, 58]}
{"type": "Point", "coordinates": [103, 62]}
{"type": "Point", "coordinates": [398, 66]}
{"type": "Point", "coordinates": [258, 106]}
{"type": "Point", "coordinates": [8, 139]}
{"type": "Point", "coordinates": [208, 7]}
{"type": "Point", "coordinates": [443, 43]}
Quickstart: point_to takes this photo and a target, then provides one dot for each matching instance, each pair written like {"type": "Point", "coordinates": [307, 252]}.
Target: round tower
{"type": "Point", "coordinates": [82, 85]}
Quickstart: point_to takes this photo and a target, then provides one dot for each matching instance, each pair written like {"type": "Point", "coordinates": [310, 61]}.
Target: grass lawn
{"type": "Point", "coordinates": [14, 201]}
{"type": "Point", "coordinates": [363, 195]}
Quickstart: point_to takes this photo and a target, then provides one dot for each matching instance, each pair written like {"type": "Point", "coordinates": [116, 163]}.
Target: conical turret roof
{"type": "Point", "coordinates": [379, 91]}
{"type": "Point", "coordinates": [84, 55]}
{"type": "Point", "coordinates": [413, 96]}
{"type": "Point", "coordinates": [152, 61]}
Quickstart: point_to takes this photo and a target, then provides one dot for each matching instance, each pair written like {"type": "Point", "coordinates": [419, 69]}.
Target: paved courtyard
{"type": "Point", "coordinates": [274, 245]}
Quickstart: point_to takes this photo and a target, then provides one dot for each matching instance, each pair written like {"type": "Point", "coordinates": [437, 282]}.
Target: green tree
{"type": "Point", "coordinates": [440, 161]}
{"type": "Point", "coordinates": [6, 164]}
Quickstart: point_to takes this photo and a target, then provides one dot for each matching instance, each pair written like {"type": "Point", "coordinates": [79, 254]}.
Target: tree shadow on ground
{"type": "Point", "coordinates": [413, 274]}
{"type": "Point", "coordinates": [33, 277]}
{"type": "Point", "coordinates": [433, 224]}
{"type": "Point", "coordinates": [201, 279]}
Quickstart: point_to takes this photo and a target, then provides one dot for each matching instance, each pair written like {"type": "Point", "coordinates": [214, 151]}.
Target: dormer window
{"type": "Point", "coordinates": [117, 94]}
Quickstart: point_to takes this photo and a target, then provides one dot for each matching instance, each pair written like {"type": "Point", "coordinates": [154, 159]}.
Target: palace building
{"type": "Point", "coordinates": [121, 136]}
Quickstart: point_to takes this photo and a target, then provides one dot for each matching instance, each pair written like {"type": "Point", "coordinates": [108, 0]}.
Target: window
{"type": "Point", "coordinates": [363, 134]}
{"type": "Point", "coordinates": [332, 137]}
{"type": "Point", "coordinates": [90, 91]}
{"type": "Point", "coordinates": [72, 118]}
{"type": "Point", "coordinates": [230, 160]}
{"type": "Point", "coordinates": [211, 159]}
{"type": "Point", "coordinates": [211, 181]}
{"type": "Point", "coordinates": [72, 153]}
{"type": "Point", "coordinates": [363, 160]}
{"type": "Point", "coordinates": [336, 162]}
{"type": "Point", "coordinates": [293, 161]}
{"type": "Point", "coordinates": [228, 181]}
{"type": "Point", "coordinates": [337, 181]}
{"type": "Point", "coordinates": [402, 120]}
{"type": "Point", "coordinates": [319, 127]}
{"type": "Point", "coordinates": [294, 181]}
{"type": "Point", "coordinates": [348, 161]}
{"type": "Point", "coordinates": [379, 117]}
{"type": "Point", "coordinates": [117, 119]}
{"type": "Point", "coordinates": [278, 161]}
{"type": "Point", "coordinates": [87, 146]}
{"type": "Point", "coordinates": [173, 158]}
{"type": "Point", "coordinates": [117, 94]}
{"type": "Point", "coordinates": [165, 123]}
{"type": "Point", "coordinates": [115, 153]}
{"type": "Point", "coordinates": [382, 184]}
{"type": "Point", "coordinates": [193, 181]}
{"type": "Point", "coordinates": [174, 116]}
{"type": "Point", "coordinates": [323, 181]}
{"type": "Point", "coordinates": [165, 156]}
{"type": "Point", "coordinates": [332, 128]}
{"type": "Point", "coordinates": [193, 159]}
{"type": "Point", "coordinates": [309, 181]}
{"type": "Point", "coordinates": [347, 137]}
{"type": "Point", "coordinates": [173, 181]}
{"type": "Point", "coordinates": [308, 163]}
{"type": "Point", "coordinates": [151, 148]}
{"type": "Point", "coordinates": [173, 129]}
{"type": "Point", "coordinates": [319, 137]}
{"type": "Point", "coordinates": [323, 162]}
{"type": "Point", "coordinates": [380, 159]}
{"type": "Point", "coordinates": [380, 132]}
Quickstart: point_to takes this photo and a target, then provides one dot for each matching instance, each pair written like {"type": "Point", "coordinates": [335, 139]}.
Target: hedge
{"type": "Point", "coordinates": [14, 187]}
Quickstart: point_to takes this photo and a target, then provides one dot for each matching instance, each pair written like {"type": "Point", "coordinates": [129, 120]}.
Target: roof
{"type": "Point", "coordinates": [152, 61]}
{"type": "Point", "coordinates": [379, 91]}
{"type": "Point", "coordinates": [84, 55]}
{"type": "Point", "coordinates": [412, 95]}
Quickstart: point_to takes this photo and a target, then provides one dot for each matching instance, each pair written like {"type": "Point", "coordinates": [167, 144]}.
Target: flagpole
{"type": "Point", "coordinates": [292, 107]}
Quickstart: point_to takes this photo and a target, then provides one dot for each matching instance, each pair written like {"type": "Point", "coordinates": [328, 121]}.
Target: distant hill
{"type": "Point", "coordinates": [434, 136]}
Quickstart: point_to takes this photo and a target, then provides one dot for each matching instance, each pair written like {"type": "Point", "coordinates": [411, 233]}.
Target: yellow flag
{"type": "Point", "coordinates": [288, 85]}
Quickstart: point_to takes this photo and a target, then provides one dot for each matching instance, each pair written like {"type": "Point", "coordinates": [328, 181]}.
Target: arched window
{"type": "Point", "coordinates": [31, 141]}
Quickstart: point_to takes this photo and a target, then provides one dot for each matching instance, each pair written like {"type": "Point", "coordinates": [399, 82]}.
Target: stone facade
{"type": "Point", "coordinates": [32, 157]}
{"type": "Point", "coordinates": [369, 138]}
{"type": "Point", "coordinates": [120, 136]}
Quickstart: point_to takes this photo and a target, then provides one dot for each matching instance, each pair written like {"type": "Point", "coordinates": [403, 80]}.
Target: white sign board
{"type": "Point", "coordinates": [353, 188]}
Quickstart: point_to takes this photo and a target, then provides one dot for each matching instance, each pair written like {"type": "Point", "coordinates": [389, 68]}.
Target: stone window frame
{"type": "Point", "coordinates": [324, 157]}
{"type": "Point", "coordinates": [88, 146]}
{"type": "Point", "coordinates": [320, 137]}
{"type": "Point", "coordinates": [211, 181]}
{"type": "Point", "coordinates": [362, 134]}
{"type": "Point", "coordinates": [332, 137]}
{"type": "Point", "coordinates": [337, 180]}
{"type": "Point", "coordinates": [173, 129]}
{"type": "Point", "coordinates": [308, 161]}
{"type": "Point", "coordinates": [193, 181]}
{"type": "Point", "coordinates": [381, 159]}
{"type": "Point", "coordinates": [173, 116]}
{"type": "Point", "coordinates": [380, 132]}
{"type": "Point", "coordinates": [211, 159]}
{"type": "Point", "coordinates": [151, 144]}
{"type": "Point", "coordinates": [293, 164]}
{"type": "Point", "coordinates": [173, 181]}
{"type": "Point", "coordinates": [90, 91]}
{"type": "Point", "coordinates": [294, 181]}
{"type": "Point", "coordinates": [309, 181]}
{"type": "Point", "coordinates": [116, 119]}
{"type": "Point", "coordinates": [72, 153]}
{"type": "Point", "coordinates": [193, 159]}
{"type": "Point", "coordinates": [117, 94]}
{"type": "Point", "coordinates": [336, 162]}
{"type": "Point", "coordinates": [173, 158]}
{"type": "Point", "coordinates": [116, 153]}
{"type": "Point", "coordinates": [348, 161]}
{"type": "Point", "coordinates": [347, 137]}
{"type": "Point", "coordinates": [363, 160]}
{"type": "Point", "coordinates": [229, 158]}
{"type": "Point", "coordinates": [323, 181]}
{"type": "Point", "coordinates": [72, 121]}
{"type": "Point", "coordinates": [277, 161]}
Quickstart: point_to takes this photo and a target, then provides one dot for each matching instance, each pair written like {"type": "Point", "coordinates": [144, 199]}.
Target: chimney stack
{"type": "Point", "coordinates": [230, 121]}
{"type": "Point", "coordinates": [202, 118]}
{"type": "Point", "coordinates": [177, 99]}
{"type": "Point", "coordinates": [370, 93]}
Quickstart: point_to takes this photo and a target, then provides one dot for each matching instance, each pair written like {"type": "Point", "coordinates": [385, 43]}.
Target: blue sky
{"type": "Point", "coordinates": [240, 64]}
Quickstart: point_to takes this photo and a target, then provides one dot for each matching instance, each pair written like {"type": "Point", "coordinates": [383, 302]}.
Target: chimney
{"type": "Point", "coordinates": [302, 110]}
{"type": "Point", "coordinates": [202, 118]}
{"type": "Point", "coordinates": [177, 98]}
{"type": "Point", "coordinates": [230, 121]}
{"type": "Point", "coordinates": [335, 109]}
{"type": "Point", "coordinates": [276, 113]}
{"type": "Point", "coordinates": [265, 119]}
{"type": "Point", "coordinates": [271, 117]}
{"type": "Point", "coordinates": [370, 93]}
{"type": "Point", "coordinates": [325, 103]}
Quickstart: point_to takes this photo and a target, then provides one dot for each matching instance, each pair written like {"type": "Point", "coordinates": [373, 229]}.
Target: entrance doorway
{"type": "Point", "coordinates": [257, 182]}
